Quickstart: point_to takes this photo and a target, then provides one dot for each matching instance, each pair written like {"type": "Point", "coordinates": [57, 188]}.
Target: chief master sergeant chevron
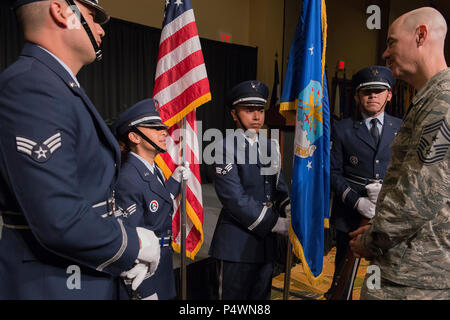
{"type": "Point", "coordinates": [58, 164]}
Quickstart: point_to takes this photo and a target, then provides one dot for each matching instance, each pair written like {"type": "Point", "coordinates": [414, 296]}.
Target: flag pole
{"type": "Point", "coordinates": [183, 217]}
{"type": "Point", "coordinates": [287, 275]}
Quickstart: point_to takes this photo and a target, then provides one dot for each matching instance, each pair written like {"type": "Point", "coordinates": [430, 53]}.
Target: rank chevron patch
{"type": "Point", "coordinates": [40, 152]}
{"type": "Point", "coordinates": [434, 142]}
{"type": "Point", "coordinates": [225, 170]}
{"type": "Point", "coordinates": [130, 210]}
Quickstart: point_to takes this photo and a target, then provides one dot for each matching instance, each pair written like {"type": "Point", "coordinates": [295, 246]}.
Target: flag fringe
{"type": "Point", "coordinates": [199, 227]}
{"type": "Point", "coordinates": [192, 106]}
{"type": "Point", "coordinates": [323, 17]}
{"type": "Point", "coordinates": [298, 251]}
{"type": "Point", "coordinates": [289, 109]}
{"type": "Point", "coordinates": [189, 211]}
{"type": "Point", "coordinates": [289, 106]}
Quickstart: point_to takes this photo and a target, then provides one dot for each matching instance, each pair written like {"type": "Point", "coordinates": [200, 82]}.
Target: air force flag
{"type": "Point", "coordinates": [305, 91]}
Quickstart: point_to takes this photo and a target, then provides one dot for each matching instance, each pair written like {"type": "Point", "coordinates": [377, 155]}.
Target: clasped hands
{"type": "Point", "coordinates": [355, 244]}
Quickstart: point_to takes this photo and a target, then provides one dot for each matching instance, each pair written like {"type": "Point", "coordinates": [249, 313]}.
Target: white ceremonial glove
{"type": "Point", "coordinates": [182, 173]}
{"type": "Point", "coordinates": [366, 207]}
{"type": "Point", "coordinates": [282, 226]}
{"type": "Point", "coordinates": [373, 190]}
{"type": "Point", "coordinates": [138, 273]}
{"type": "Point", "coordinates": [150, 251]}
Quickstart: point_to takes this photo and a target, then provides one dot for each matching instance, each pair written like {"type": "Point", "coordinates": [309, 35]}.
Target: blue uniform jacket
{"type": "Point", "coordinates": [58, 165]}
{"type": "Point", "coordinates": [243, 231]}
{"type": "Point", "coordinates": [147, 203]}
{"type": "Point", "coordinates": [354, 153]}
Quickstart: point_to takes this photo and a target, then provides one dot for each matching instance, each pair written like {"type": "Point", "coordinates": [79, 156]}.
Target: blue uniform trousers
{"type": "Point", "coordinates": [244, 281]}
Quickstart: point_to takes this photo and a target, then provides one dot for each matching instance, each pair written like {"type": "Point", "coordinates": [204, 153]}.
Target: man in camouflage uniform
{"type": "Point", "coordinates": [408, 239]}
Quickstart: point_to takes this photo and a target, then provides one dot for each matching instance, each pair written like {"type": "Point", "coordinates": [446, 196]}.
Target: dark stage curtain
{"type": "Point", "coordinates": [126, 73]}
{"type": "Point", "coordinates": [11, 40]}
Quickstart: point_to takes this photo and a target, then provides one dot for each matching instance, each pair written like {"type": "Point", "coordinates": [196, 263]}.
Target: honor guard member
{"type": "Point", "coordinates": [58, 165]}
{"type": "Point", "coordinates": [360, 154]}
{"type": "Point", "coordinates": [145, 198]}
{"type": "Point", "coordinates": [255, 200]}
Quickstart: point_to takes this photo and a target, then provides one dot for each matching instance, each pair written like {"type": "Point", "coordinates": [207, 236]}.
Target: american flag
{"type": "Point", "coordinates": [181, 85]}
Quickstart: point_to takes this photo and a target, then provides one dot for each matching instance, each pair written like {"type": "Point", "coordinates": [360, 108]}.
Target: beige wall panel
{"type": "Point", "coordinates": [256, 23]}
{"type": "Point", "coordinates": [259, 23]}
{"type": "Point", "coordinates": [146, 12]}
{"type": "Point", "coordinates": [213, 17]}
{"type": "Point", "coordinates": [349, 39]}
{"type": "Point", "coordinates": [266, 33]}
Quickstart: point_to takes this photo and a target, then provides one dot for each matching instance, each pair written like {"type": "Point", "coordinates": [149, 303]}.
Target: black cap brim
{"type": "Point", "coordinates": [373, 86]}
{"type": "Point", "coordinates": [154, 125]}
{"type": "Point", "coordinates": [101, 17]}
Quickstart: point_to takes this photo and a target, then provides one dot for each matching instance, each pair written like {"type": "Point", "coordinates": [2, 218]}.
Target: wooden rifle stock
{"type": "Point", "coordinates": [346, 272]}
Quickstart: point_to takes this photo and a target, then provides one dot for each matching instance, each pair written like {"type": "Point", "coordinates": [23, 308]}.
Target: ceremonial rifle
{"type": "Point", "coordinates": [346, 274]}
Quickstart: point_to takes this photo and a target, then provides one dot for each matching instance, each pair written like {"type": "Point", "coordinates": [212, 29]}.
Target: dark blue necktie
{"type": "Point", "coordinates": [158, 173]}
{"type": "Point", "coordinates": [374, 131]}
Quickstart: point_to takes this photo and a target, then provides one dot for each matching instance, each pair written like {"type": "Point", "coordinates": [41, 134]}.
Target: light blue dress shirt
{"type": "Point", "coordinates": [63, 64]}
{"type": "Point", "coordinates": [147, 164]}
{"type": "Point", "coordinates": [367, 120]}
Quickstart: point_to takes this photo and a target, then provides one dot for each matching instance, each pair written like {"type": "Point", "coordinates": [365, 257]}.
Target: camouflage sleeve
{"type": "Point", "coordinates": [417, 190]}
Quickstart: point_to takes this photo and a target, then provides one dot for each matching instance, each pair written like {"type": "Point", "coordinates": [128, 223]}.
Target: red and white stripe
{"type": "Point", "coordinates": [181, 76]}
{"type": "Point", "coordinates": [181, 85]}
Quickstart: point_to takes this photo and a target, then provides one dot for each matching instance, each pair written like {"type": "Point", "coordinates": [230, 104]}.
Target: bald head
{"type": "Point", "coordinates": [415, 46]}
{"type": "Point", "coordinates": [429, 17]}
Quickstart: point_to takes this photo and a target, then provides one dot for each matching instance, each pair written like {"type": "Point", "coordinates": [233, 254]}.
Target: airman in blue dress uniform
{"type": "Point", "coordinates": [360, 153]}
{"type": "Point", "coordinates": [144, 196]}
{"type": "Point", "coordinates": [255, 200]}
{"type": "Point", "coordinates": [58, 165]}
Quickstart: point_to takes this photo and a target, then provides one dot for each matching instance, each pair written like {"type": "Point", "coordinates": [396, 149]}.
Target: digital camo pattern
{"type": "Point", "coordinates": [410, 231]}
{"type": "Point", "coordinates": [390, 291]}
